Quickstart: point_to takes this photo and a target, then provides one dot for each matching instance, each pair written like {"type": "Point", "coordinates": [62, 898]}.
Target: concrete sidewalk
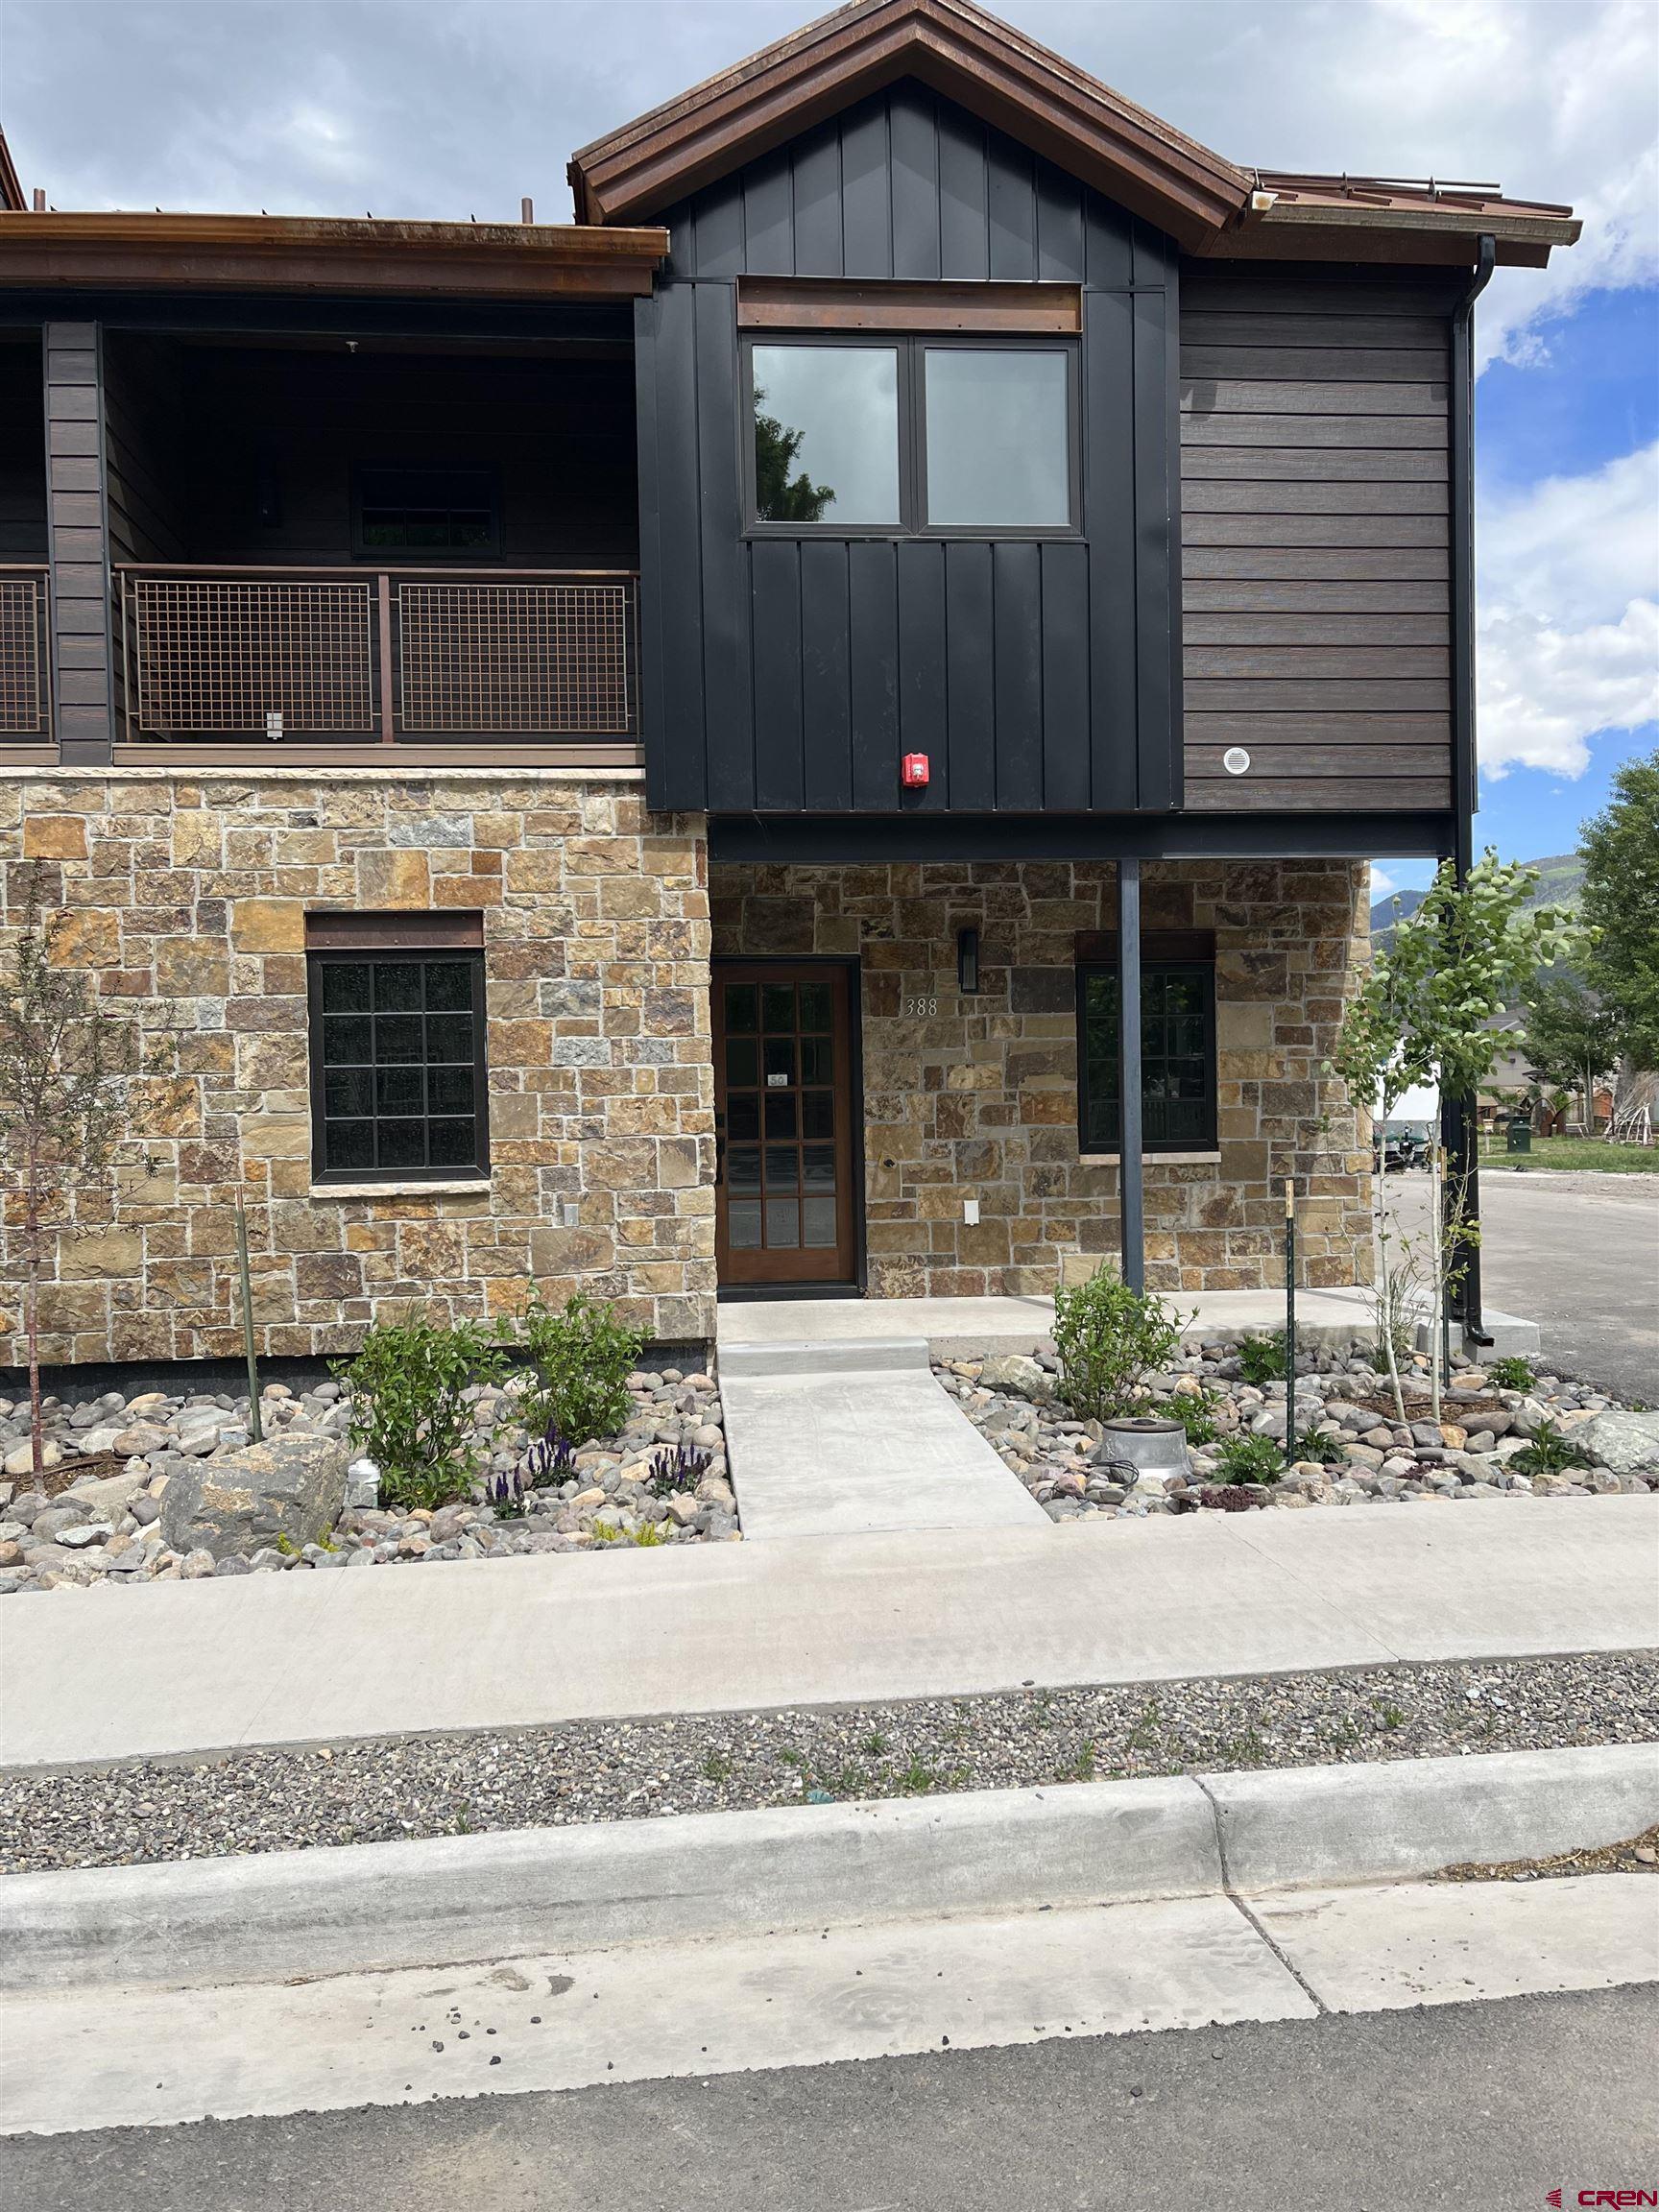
{"type": "Point", "coordinates": [191, 1666]}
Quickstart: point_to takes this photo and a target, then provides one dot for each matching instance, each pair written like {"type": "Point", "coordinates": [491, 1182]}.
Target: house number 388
{"type": "Point", "coordinates": [920, 1009]}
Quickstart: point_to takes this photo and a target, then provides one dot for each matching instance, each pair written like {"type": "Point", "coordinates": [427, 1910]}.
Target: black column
{"type": "Point", "coordinates": [1131, 1213]}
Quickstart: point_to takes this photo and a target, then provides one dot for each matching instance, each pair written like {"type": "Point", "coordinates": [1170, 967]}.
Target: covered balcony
{"type": "Point", "coordinates": [322, 545]}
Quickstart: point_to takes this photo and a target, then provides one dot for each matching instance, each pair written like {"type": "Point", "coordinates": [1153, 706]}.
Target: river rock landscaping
{"type": "Point", "coordinates": [384, 1789]}
{"type": "Point", "coordinates": [1490, 1441]}
{"type": "Point", "coordinates": [165, 1487]}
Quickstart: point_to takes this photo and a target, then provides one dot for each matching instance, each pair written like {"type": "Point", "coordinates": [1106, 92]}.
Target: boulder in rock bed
{"type": "Point", "coordinates": [1017, 1373]}
{"type": "Point", "coordinates": [289, 1487]}
{"type": "Point", "coordinates": [1625, 1443]}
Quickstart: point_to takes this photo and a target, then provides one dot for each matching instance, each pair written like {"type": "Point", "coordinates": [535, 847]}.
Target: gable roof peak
{"type": "Point", "coordinates": [985, 65]}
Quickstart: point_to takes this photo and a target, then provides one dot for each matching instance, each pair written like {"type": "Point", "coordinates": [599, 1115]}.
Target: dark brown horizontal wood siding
{"type": "Point", "coordinates": [1316, 528]}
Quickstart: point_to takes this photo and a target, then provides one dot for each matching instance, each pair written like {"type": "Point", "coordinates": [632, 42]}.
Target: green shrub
{"type": "Point", "coordinates": [1313, 1444]}
{"type": "Point", "coordinates": [581, 1357]}
{"type": "Point", "coordinates": [1250, 1459]}
{"type": "Point", "coordinates": [1108, 1337]}
{"type": "Point", "coordinates": [1510, 1374]}
{"type": "Point", "coordinates": [1262, 1358]}
{"type": "Point", "coordinates": [1548, 1452]}
{"type": "Point", "coordinates": [407, 1388]}
{"type": "Point", "coordinates": [1196, 1410]}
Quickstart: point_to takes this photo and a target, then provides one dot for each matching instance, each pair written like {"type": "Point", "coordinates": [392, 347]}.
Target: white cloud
{"type": "Point", "coordinates": [1569, 615]}
{"type": "Point", "coordinates": [1382, 885]}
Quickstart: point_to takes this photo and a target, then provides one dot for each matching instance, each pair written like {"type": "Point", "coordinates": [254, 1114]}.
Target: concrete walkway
{"type": "Point", "coordinates": [190, 1667]}
{"type": "Point", "coordinates": [957, 1327]}
{"type": "Point", "coordinates": [846, 1439]}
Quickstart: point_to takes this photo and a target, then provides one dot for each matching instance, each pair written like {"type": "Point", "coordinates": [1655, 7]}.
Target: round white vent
{"type": "Point", "coordinates": [1236, 761]}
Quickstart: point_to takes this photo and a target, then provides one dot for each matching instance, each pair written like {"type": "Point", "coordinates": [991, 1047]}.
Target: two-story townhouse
{"type": "Point", "coordinates": [649, 753]}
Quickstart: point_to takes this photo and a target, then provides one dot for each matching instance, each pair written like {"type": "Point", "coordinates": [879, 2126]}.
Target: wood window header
{"type": "Point", "coordinates": [370, 933]}
{"type": "Point", "coordinates": [802, 304]}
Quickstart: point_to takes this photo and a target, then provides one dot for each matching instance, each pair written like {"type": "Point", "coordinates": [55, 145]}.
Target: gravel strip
{"type": "Point", "coordinates": [285, 1800]}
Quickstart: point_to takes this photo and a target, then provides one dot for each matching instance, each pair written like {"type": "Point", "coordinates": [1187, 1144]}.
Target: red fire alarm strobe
{"type": "Point", "coordinates": [913, 774]}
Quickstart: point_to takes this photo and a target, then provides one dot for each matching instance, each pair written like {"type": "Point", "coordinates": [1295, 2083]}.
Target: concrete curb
{"type": "Point", "coordinates": [1321, 1825]}
{"type": "Point", "coordinates": [449, 1900]}
{"type": "Point", "coordinates": [454, 1898]}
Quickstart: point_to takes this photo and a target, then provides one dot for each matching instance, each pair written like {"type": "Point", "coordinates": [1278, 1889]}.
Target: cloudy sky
{"type": "Point", "coordinates": [445, 108]}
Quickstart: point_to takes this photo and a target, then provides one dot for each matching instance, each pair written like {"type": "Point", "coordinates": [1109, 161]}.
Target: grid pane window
{"type": "Point", "coordinates": [427, 509]}
{"type": "Point", "coordinates": [1177, 1057]}
{"type": "Point", "coordinates": [398, 1074]}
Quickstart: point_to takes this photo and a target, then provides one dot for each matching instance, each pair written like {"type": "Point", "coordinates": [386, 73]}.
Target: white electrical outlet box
{"type": "Point", "coordinates": [971, 1212]}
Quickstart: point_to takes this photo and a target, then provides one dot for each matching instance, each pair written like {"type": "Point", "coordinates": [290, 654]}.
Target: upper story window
{"type": "Point", "coordinates": [912, 436]}
{"type": "Point", "coordinates": [426, 513]}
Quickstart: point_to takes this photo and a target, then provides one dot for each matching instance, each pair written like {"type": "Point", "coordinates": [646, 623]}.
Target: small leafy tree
{"type": "Point", "coordinates": [1571, 1037]}
{"type": "Point", "coordinates": [407, 1386]}
{"type": "Point", "coordinates": [1108, 1337]}
{"type": "Point", "coordinates": [1621, 905]}
{"type": "Point", "coordinates": [1423, 1014]}
{"type": "Point", "coordinates": [583, 1357]}
{"type": "Point", "coordinates": [64, 1066]}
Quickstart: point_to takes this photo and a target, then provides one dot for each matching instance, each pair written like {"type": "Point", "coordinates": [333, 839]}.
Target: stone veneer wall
{"type": "Point", "coordinates": [193, 888]}
{"type": "Point", "coordinates": [983, 1100]}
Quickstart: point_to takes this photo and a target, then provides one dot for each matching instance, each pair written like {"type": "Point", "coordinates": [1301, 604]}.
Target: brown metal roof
{"type": "Point", "coordinates": [1209, 205]}
{"type": "Point", "coordinates": [995, 71]}
{"type": "Point", "coordinates": [10, 190]}
{"type": "Point", "coordinates": [310, 253]}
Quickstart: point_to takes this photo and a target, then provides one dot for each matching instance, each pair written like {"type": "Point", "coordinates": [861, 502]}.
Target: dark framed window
{"type": "Point", "coordinates": [933, 436]}
{"type": "Point", "coordinates": [399, 1085]}
{"type": "Point", "coordinates": [1177, 1054]}
{"type": "Point", "coordinates": [426, 513]}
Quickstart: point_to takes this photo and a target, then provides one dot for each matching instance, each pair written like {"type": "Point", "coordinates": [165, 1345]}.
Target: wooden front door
{"type": "Point", "coordinates": [783, 1105]}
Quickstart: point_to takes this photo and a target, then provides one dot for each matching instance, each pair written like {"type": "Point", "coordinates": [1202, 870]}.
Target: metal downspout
{"type": "Point", "coordinates": [1459, 1121]}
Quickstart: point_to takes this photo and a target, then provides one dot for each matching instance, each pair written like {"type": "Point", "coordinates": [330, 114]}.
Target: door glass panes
{"type": "Point", "coordinates": [825, 434]}
{"type": "Point", "coordinates": [780, 1173]}
{"type": "Point", "coordinates": [399, 1050]}
{"type": "Point", "coordinates": [999, 442]}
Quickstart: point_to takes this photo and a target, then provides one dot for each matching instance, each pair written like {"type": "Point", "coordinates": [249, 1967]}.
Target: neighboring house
{"type": "Point", "coordinates": [641, 752]}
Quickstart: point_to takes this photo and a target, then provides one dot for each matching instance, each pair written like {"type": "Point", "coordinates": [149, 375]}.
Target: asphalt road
{"type": "Point", "coordinates": [1484, 2106]}
{"type": "Point", "coordinates": [1578, 1253]}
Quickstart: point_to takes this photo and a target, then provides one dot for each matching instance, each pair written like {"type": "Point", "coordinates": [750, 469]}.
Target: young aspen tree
{"type": "Point", "coordinates": [1423, 1014]}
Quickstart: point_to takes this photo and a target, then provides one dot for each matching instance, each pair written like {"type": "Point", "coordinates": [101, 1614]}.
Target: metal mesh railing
{"type": "Point", "coordinates": [22, 658]}
{"type": "Point", "coordinates": [382, 655]}
{"type": "Point", "coordinates": [218, 657]}
{"type": "Point", "coordinates": [522, 658]}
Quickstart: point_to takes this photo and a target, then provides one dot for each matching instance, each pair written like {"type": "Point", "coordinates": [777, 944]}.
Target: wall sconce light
{"type": "Point", "coordinates": [968, 960]}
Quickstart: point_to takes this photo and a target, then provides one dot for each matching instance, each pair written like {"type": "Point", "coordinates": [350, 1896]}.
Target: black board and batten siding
{"type": "Point", "coordinates": [1315, 529]}
{"type": "Point", "coordinates": [788, 676]}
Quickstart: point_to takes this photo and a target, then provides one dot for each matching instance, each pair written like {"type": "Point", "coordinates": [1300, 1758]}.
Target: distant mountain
{"type": "Point", "coordinates": [1560, 883]}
